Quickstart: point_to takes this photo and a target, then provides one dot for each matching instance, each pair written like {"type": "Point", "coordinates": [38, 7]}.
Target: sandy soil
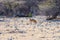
{"type": "Point", "coordinates": [35, 28]}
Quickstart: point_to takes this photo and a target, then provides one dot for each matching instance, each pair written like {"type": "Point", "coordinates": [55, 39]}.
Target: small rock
{"type": "Point", "coordinates": [21, 31]}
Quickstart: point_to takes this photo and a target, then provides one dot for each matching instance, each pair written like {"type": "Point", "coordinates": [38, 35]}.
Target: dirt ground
{"type": "Point", "coordinates": [35, 28]}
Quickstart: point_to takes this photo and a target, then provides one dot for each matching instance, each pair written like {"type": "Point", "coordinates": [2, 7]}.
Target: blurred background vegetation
{"type": "Point", "coordinates": [26, 8]}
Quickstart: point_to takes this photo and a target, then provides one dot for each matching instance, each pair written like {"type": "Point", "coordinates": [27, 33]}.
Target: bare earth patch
{"type": "Point", "coordinates": [35, 28]}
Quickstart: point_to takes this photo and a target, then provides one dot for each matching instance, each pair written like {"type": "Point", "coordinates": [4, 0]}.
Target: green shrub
{"type": "Point", "coordinates": [30, 14]}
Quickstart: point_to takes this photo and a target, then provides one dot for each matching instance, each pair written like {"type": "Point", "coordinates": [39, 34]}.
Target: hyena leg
{"type": "Point", "coordinates": [53, 16]}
